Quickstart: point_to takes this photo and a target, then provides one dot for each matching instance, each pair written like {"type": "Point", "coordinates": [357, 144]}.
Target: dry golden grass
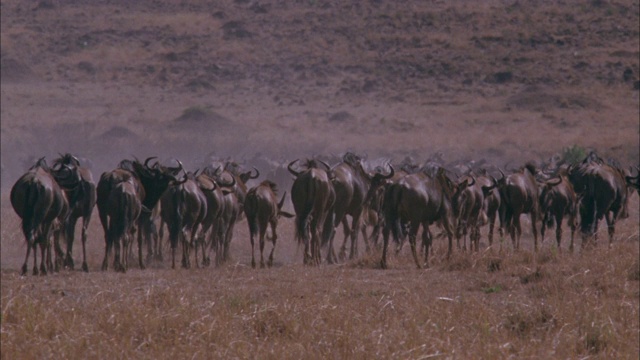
{"type": "Point", "coordinates": [415, 77]}
{"type": "Point", "coordinates": [490, 304]}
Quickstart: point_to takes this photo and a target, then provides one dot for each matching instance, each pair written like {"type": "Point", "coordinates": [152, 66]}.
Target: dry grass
{"type": "Point", "coordinates": [481, 305]}
{"type": "Point", "coordinates": [415, 77]}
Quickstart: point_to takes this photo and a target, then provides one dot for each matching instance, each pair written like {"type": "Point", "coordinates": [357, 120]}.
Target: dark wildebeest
{"type": "Point", "coordinates": [39, 201]}
{"type": "Point", "coordinates": [557, 199]}
{"type": "Point", "coordinates": [230, 209]}
{"type": "Point", "coordinates": [372, 212]}
{"type": "Point", "coordinates": [184, 207]}
{"type": "Point", "coordinates": [603, 189]}
{"type": "Point", "coordinates": [519, 195]}
{"type": "Point", "coordinates": [313, 198]}
{"type": "Point", "coordinates": [232, 172]}
{"type": "Point", "coordinates": [213, 224]}
{"type": "Point", "coordinates": [82, 200]}
{"type": "Point", "coordinates": [149, 184]}
{"type": "Point", "coordinates": [491, 205]}
{"type": "Point", "coordinates": [123, 208]}
{"type": "Point", "coordinates": [351, 184]}
{"type": "Point", "coordinates": [262, 209]}
{"type": "Point", "coordinates": [467, 202]}
{"type": "Point", "coordinates": [417, 199]}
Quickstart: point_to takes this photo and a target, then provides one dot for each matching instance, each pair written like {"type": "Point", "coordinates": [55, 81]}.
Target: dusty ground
{"type": "Point", "coordinates": [505, 81]}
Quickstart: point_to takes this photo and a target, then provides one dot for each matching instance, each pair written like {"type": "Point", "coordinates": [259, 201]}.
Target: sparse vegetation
{"type": "Point", "coordinates": [573, 154]}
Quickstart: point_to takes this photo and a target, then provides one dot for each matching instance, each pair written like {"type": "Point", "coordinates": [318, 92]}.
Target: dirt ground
{"type": "Point", "coordinates": [500, 81]}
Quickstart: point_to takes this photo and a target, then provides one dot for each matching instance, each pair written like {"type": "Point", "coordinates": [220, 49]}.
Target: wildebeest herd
{"type": "Point", "coordinates": [201, 208]}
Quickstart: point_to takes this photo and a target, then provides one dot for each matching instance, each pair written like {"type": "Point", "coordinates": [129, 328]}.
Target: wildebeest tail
{"type": "Point", "coordinates": [251, 211]}
{"type": "Point", "coordinates": [32, 216]}
{"type": "Point", "coordinates": [588, 209]}
{"type": "Point", "coordinates": [392, 199]}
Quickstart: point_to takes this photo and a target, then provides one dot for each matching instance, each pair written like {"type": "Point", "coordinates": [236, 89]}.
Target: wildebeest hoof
{"type": "Point", "coordinates": [85, 268]}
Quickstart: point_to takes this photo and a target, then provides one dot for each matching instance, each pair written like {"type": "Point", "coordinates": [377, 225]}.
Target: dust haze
{"type": "Point", "coordinates": [501, 81]}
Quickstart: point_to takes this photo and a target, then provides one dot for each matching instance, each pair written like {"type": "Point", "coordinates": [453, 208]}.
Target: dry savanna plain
{"type": "Point", "coordinates": [498, 81]}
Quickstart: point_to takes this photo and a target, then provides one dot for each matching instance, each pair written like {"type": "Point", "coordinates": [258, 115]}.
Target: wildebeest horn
{"type": "Point", "coordinates": [473, 181]}
{"type": "Point", "coordinates": [289, 167]}
{"type": "Point", "coordinates": [181, 167]}
{"type": "Point", "coordinates": [502, 174]}
{"type": "Point", "coordinates": [146, 162]}
{"type": "Point", "coordinates": [256, 175]}
{"type": "Point", "coordinates": [392, 172]}
{"type": "Point", "coordinates": [325, 164]}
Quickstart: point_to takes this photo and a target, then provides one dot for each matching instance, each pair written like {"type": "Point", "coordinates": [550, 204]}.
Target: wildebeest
{"type": "Point", "coordinates": [123, 208]}
{"type": "Point", "coordinates": [603, 189]}
{"type": "Point", "coordinates": [313, 198]}
{"type": "Point", "coordinates": [149, 183]}
{"type": "Point", "coordinates": [262, 209]}
{"type": "Point", "coordinates": [39, 201]}
{"type": "Point", "coordinates": [491, 206]}
{"type": "Point", "coordinates": [467, 202]}
{"type": "Point", "coordinates": [519, 195]}
{"type": "Point", "coordinates": [557, 199]}
{"type": "Point", "coordinates": [231, 171]}
{"type": "Point", "coordinates": [351, 184]}
{"type": "Point", "coordinates": [82, 200]}
{"type": "Point", "coordinates": [417, 199]}
{"type": "Point", "coordinates": [184, 208]}
{"type": "Point", "coordinates": [214, 222]}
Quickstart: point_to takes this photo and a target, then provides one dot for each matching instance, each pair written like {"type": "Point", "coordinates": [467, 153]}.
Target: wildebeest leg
{"type": "Point", "coordinates": [363, 229]}
{"type": "Point", "coordinates": [611, 226]}
{"type": "Point", "coordinates": [142, 232]}
{"type": "Point", "coordinates": [385, 245]}
{"type": "Point", "coordinates": [252, 240]}
{"type": "Point", "coordinates": [426, 242]}
{"type": "Point", "coordinates": [85, 226]}
{"type": "Point", "coordinates": [511, 228]}
{"type": "Point", "coordinates": [343, 249]}
{"type": "Point", "coordinates": [412, 241]}
{"type": "Point", "coordinates": [194, 244]}
{"type": "Point", "coordinates": [60, 255]}
{"type": "Point", "coordinates": [116, 257]}
{"type": "Point", "coordinates": [492, 223]}
{"type": "Point", "coordinates": [127, 241]}
{"type": "Point", "coordinates": [517, 229]}
{"type": "Point", "coordinates": [474, 237]}
{"type": "Point", "coordinates": [30, 243]}
{"type": "Point", "coordinates": [263, 230]}
{"type": "Point", "coordinates": [545, 221]}
{"type": "Point", "coordinates": [43, 250]}
{"type": "Point", "coordinates": [572, 226]}
{"type": "Point", "coordinates": [558, 219]}
{"type": "Point", "coordinates": [534, 230]}
{"type": "Point", "coordinates": [227, 240]}
{"type": "Point", "coordinates": [185, 250]}
{"type": "Point", "coordinates": [107, 252]}
{"type": "Point", "coordinates": [274, 224]}
{"type": "Point", "coordinates": [354, 235]}
{"type": "Point", "coordinates": [70, 226]}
